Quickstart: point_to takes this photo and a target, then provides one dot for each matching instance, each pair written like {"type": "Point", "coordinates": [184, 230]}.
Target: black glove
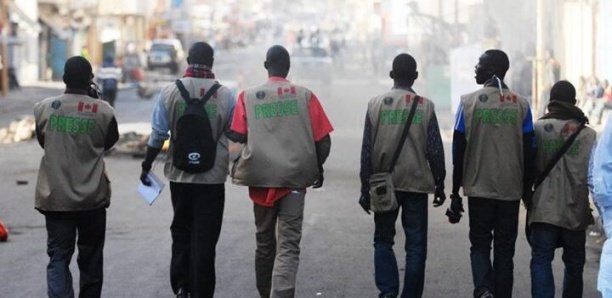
{"type": "Point", "coordinates": [439, 197]}
{"type": "Point", "coordinates": [319, 182]}
{"type": "Point", "coordinates": [143, 174]}
{"type": "Point", "coordinates": [364, 201]}
{"type": "Point", "coordinates": [150, 156]}
{"type": "Point", "coordinates": [454, 212]}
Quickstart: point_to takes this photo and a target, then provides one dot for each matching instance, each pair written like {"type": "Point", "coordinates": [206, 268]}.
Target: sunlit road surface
{"type": "Point", "coordinates": [337, 251]}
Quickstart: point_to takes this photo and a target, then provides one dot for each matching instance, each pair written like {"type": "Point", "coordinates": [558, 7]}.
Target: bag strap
{"type": "Point", "coordinates": [551, 164]}
{"type": "Point", "coordinates": [415, 102]}
{"type": "Point", "coordinates": [204, 99]}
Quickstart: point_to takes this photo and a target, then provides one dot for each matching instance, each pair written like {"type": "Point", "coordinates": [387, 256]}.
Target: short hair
{"type": "Point", "coordinates": [201, 53]}
{"type": "Point", "coordinates": [77, 73]}
{"type": "Point", "coordinates": [404, 66]}
{"type": "Point", "coordinates": [278, 56]}
{"type": "Point", "coordinates": [563, 91]}
{"type": "Point", "coordinates": [499, 61]}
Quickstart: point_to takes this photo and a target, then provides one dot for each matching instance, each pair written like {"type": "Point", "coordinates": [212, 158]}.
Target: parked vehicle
{"type": "Point", "coordinates": [165, 53]}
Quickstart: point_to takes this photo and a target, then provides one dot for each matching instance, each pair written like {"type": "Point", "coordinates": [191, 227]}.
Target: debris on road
{"type": "Point", "coordinates": [19, 130]}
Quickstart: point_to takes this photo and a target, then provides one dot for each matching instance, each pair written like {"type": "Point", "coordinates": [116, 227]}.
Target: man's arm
{"type": "Point", "coordinates": [159, 134]}
{"type": "Point", "coordinates": [112, 136]}
{"type": "Point", "coordinates": [529, 156]}
{"type": "Point", "coordinates": [435, 157]}
{"type": "Point", "coordinates": [366, 164]}
{"type": "Point", "coordinates": [238, 128]}
{"type": "Point", "coordinates": [459, 144]}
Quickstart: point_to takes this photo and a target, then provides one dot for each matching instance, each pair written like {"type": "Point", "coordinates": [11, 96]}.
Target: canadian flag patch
{"type": "Point", "coordinates": [285, 91]}
{"type": "Point", "coordinates": [87, 107]}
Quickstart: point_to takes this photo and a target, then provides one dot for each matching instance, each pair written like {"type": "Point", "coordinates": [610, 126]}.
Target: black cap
{"type": "Point", "coordinates": [77, 72]}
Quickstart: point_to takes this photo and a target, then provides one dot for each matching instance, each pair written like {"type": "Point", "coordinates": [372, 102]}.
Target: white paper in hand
{"type": "Point", "coordinates": [150, 193]}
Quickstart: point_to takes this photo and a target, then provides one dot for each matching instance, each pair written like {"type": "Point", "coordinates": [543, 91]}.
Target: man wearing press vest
{"type": "Point", "coordinates": [197, 174]}
{"type": "Point", "coordinates": [418, 171]}
{"type": "Point", "coordinates": [73, 190]}
{"type": "Point", "coordinates": [493, 152]}
{"type": "Point", "coordinates": [286, 137]}
{"type": "Point", "coordinates": [559, 211]}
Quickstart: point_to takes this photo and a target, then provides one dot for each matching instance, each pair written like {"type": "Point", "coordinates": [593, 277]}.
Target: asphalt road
{"type": "Point", "coordinates": [337, 251]}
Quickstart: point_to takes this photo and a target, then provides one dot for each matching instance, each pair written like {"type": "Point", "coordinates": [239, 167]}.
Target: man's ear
{"type": "Point", "coordinates": [391, 74]}
{"type": "Point", "coordinates": [266, 64]}
{"type": "Point", "coordinates": [188, 60]}
{"type": "Point", "coordinates": [416, 75]}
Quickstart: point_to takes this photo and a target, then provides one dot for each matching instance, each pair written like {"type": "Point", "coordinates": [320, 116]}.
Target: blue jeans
{"type": "Point", "coordinates": [493, 221]}
{"type": "Point", "coordinates": [414, 222]}
{"type": "Point", "coordinates": [544, 239]}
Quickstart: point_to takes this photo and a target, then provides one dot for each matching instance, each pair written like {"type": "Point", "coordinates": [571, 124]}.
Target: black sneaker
{"type": "Point", "coordinates": [486, 294]}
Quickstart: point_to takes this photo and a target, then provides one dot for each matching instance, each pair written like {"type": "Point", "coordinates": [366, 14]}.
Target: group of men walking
{"type": "Point", "coordinates": [284, 134]}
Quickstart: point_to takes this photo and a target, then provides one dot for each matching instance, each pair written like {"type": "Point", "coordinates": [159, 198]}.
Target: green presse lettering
{"type": "Point", "coordinates": [276, 109]}
{"type": "Point", "coordinates": [53, 122]}
{"type": "Point", "coordinates": [496, 116]}
{"type": "Point", "coordinates": [61, 124]}
{"type": "Point", "coordinates": [91, 125]}
{"type": "Point", "coordinates": [69, 124]}
{"type": "Point", "coordinates": [211, 111]}
{"type": "Point", "coordinates": [418, 117]}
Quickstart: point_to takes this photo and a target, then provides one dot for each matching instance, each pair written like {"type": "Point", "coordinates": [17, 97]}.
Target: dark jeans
{"type": "Point", "coordinates": [493, 221]}
{"type": "Point", "coordinates": [198, 213]}
{"type": "Point", "coordinates": [62, 231]}
{"type": "Point", "coordinates": [414, 222]}
{"type": "Point", "coordinates": [544, 239]}
{"type": "Point", "coordinates": [109, 96]}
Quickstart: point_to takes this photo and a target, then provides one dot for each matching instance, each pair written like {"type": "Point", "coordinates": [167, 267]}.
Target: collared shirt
{"type": "Point", "coordinates": [321, 127]}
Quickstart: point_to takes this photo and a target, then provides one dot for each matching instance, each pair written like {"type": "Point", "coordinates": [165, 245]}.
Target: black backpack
{"type": "Point", "coordinates": [194, 147]}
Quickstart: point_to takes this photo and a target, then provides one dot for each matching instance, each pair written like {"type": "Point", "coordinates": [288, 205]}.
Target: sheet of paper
{"type": "Point", "coordinates": [150, 193]}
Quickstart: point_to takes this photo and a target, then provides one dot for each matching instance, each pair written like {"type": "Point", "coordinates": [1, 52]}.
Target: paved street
{"type": "Point", "coordinates": [337, 251]}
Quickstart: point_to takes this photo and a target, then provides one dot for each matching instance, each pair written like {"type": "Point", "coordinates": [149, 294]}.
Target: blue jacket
{"type": "Point", "coordinates": [600, 169]}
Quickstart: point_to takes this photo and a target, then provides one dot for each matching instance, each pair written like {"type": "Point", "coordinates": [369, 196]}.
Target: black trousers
{"type": "Point", "coordinates": [62, 230]}
{"type": "Point", "coordinates": [198, 213]}
{"type": "Point", "coordinates": [493, 221]}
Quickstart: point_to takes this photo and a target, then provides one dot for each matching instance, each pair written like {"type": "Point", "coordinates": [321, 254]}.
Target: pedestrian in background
{"type": "Point", "coordinates": [108, 77]}
{"type": "Point", "coordinates": [286, 137]}
{"type": "Point", "coordinates": [493, 153]}
{"type": "Point", "coordinates": [559, 211]}
{"type": "Point", "coordinates": [198, 198]}
{"type": "Point", "coordinates": [600, 183]}
{"type": "Point", "coordinates": [419, 170]}
{"type": "Point", "coordinates": [73, 190]}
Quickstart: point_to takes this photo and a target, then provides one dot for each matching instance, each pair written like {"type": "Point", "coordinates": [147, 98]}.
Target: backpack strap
{"type": "Point", "coordinates": [203, 100]}
{"type": "Point", "coordinates": [183, 91]}
{"type": "Point", "coordinates": [210, 92]}
{"type": "Point", "coordinates": [415, 102]}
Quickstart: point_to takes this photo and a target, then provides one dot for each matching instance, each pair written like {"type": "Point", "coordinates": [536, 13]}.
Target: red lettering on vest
{"type": "Point", "coordinates": [409, 99]}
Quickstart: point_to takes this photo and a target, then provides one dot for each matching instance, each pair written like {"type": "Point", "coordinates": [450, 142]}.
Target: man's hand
{"type": "Point", "coordinates": [319, 182]}
{"type": "Point", "coordinates": [364, 201]}
{"type": "Point", "coordinates": [146, 167]}
{"type": "Point", "coordinates": [454, 212]}
{"type": "Point", "coordinates": [439, 197]}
